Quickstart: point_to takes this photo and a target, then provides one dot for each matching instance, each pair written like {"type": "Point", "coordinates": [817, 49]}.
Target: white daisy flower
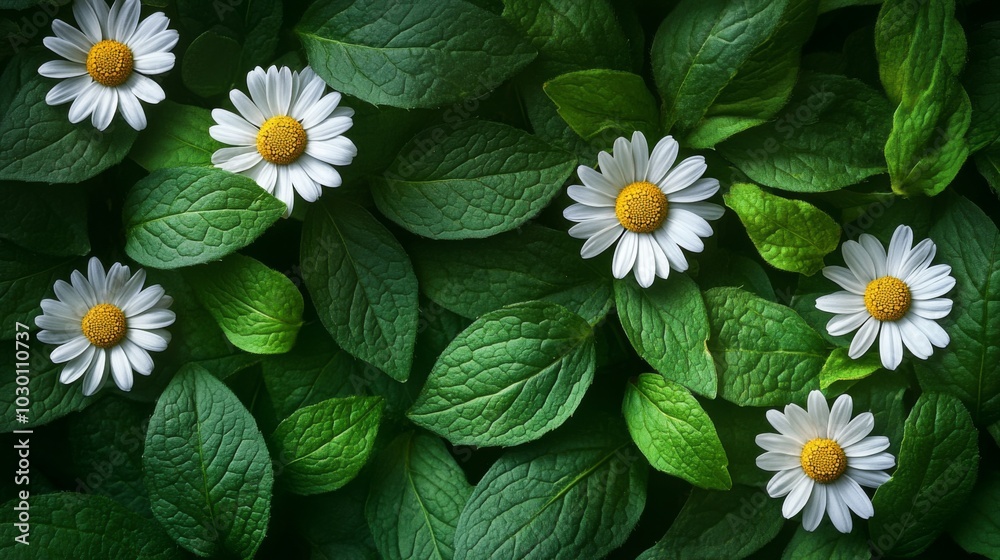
{"type": "Point", "coordinates": [105, 322]}
{"type": "Point", "coordinates": [107, 61]}
{"type": "Point", "coordinates": [653, 209]}
{"type": "Point", "coordinates": [823, 458]}
{"type": "Point", "coordinates": [897, 295]}
{"type": "Point", "coordinates": [289, 135]}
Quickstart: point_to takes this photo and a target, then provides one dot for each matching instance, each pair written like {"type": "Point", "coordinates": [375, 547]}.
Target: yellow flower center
{"type": "Point", "coordinates": [887, 298]}
{"type": "Point", "coordinates": [823, 460]}
{"type": "Point", "coordinates": [109, 63]}
{"type": "Point", "coordinates": [104, 325]}
{"type": "Point", "coordinates": [641, 207]}
{"type": "Point", "coordinates": [281, 140]}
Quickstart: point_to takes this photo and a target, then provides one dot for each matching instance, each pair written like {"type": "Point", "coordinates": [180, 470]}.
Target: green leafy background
{"type": "Point", "coordinates": [420, 365]}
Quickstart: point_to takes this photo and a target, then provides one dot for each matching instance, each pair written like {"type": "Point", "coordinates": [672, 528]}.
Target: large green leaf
{"type": "Point", "coordinates": [765, 353]}
{"type": "Point", "coordinates": [674, 432]}
{"type": "Point", "coordinates": [512, 376]}
{"type": "Point", "coordinates": [936, 471]}
{"type": "Point", "coordinates": [41, 145]}
{"type": "Point", "coordinates": [667, 325]}
{"type": "Point", "coordinates": [417, 494]}
{"type": "Point", "coordinates": [982, 81]}
{"type": "Point", "coordinates": [259, 309]}
{"type": "Point", "coordinates": [574, 495]}
{"type": "Point", "coordinates": [921, 50]}
{"type": "Point", "coordinates": [714, 525]}
{"type": "Point", "coordinates": [830, 136]}
{"type": "Point", "coordinates": [177, 136]}
{"type": "Point", "coordinates": [323, 446]}
{"type": "Point", "coordinates": [211, 64]}
{"type": "Point", "coordinates": [26, 278]}
{"type": "Point", "coordinates": [977, 527]}
{"type": "Point", "coordinates": [475, 276]}
{"type": "Point", "coordinates": [841, 367]}
{"type": "Point", "coordinates": [408, 53]}
{"type": "Point", "coordinates": [46, 219]}
{"type": "Point", "coordinates": [362, 284]}
{"type": "Point", "coordinates": [594, 102]}
{"type": "Point", "coordinates": [969, 367]}
{"type": "Point", "coordinates": [478, 179]}
{"type": "Point", "coordinates": [792, 235]}
{"type": "Point", "coordinates": [192, 215]}
{"type": "Point", "coordinates": [65, 525]}
{"type": "Point", "coordinates": [207, 468]}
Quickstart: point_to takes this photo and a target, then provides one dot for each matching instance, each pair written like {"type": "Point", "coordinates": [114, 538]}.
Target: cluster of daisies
{"type": "Point", "coordinates": [287, 135]}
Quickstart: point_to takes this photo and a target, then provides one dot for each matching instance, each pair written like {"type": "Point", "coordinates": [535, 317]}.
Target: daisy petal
{"type": "Point", "coordinates": [868, 446]}
{"type": "Point", "coordinates": [625, 254]}
{"type": "Point", "coordinates": [797, 498]}
{"type": "Point", "coordinates": [700, 190]}
{"type": "Point", "coordinates": [601, 240]}
{"type": "Point", "coordinates": [837, 509]}
{"type": "Point", "coordinates": [859, 261]}
{"type": "Point", "coordinates": [878, 462]}
{"type": "Point", "coordinates": [778, 461]}
{"type": "Point", "coordinates": [899, 249]}
{"type": "Point", "coordinates": [841, 302]}
{"type": "Point", "coordinates": [865, 337]}
{"type": "Point", "coordinates": [660, 161]}
{"type": "Point", "coordinates": [843, 324]}
{"type": "Point", "coordinates": [845, 278]}
{"type": "Point", "coordinates": [855, 431]}
{"type": "Point", "coordinates": [914, 339]}
{"type": "Point", "coordinates": [876, 251]}
{"type": "Point", "coordinates": [815, 508]}
{"type": "Point", "coordinates": [684, 175]}
{"type": "Point", "coordinates": [121, 371]}
{"type": "Point", "coordinates": [783, 482]}
{"type": "Point", "coordinates": [869, 479]}
{"type": "Point", "coordinates": [890, 345]}
{"type": "Point", "coordinates": [936, 308]}
{"type": "Point", "coordinates": [645, 261]}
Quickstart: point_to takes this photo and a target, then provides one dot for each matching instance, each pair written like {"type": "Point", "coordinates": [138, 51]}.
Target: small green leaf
{"type": "Point", "coordinates": [792, 235]}
{"type": "Point", "coordinates": [70, 525]}
{"type": "Point", "coordinates": [417, 494]}
{"type": "Point", "coordinates": [207, 469]}
{"type": "Point", "coordinates": [50, 219]}
{"type": "Point", "coordinates": [828, 137]}
{"type": "Point", "coordinates": [192, 215]}
{"type": "Point", "coordinates": [574, 495]}
{"type": "Point", "coordinates": [936, 470]}
{"type": "Point", "coordinates": [41, 145]}
{"type": "Point", "coordinates": [714, 525]}
{"type": "Point", "coordinates": [674, 432]}
{"type": "Point", "coordinates": [765, 353]}
{"type": "Point", "coordinates": [259, 309]}
{"type": "Point", "coordinates": [362, 284]}
{"type": "Point", "coordinates": [474, 277]}
{"type": "Point", "coordinates": [177, 136]}
{"type": "Point", "coordinates": [977, 527]}
{"type": "Point", "coordinates": [323, 446]}
{"type": "Point", "coordinates": [512, 376]}
{"type": "Point", "coordinates": [408, 53]}
{"type": "Point", "coordinates": [841, 367]}
{"type": "Point", "coordinates": [967, 368]}
{"type": "Point", "coordinates": [593, 102]}
{"type": "Point", "coordinates": [667, 325]}
{"type": "Point", "coordinates": [210, 64]}
{"type": "Point", "coordinates": [481, 178]}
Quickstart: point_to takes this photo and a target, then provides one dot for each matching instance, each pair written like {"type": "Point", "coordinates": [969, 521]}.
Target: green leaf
{"type": "Point", "coordinates": [593, 102]}
{"type": "Point", "coordinates": [968, 367]}
{"type": "Point", "coordinates": [674, 432]}
{"type": "Point", "coordinates": [977, 527]}
{"type": "Point", "coordinates": [207, 468]}
{"type": "Point", "coordinates": [828, 137]}
{"type": "Point", "coordinates": [51, 219]}
{"type": "Point", "coordinates": [69, 525]}
{"type": "Point", "coordinates": [323, 446]}
{"type": "Point", "coordinates": [362, 284]}
{"type": "Point", "coordinates": [570, 34]}
{"type": "Point", "coordinates": [727, 268]}
{"type": "Point", "coordinates": [192, 215]}
{"type": "Point", "coordinates": [259, 309]}
{"type": "Point", "coordinates": [714, 524]}
{"type": "Point", "coordinates": [408, 53]}
{"type": "Point", "coordinates": [936, 470]}
{"type": "Point", "coordinates": [826, 543]}
{"type": "Point", "coordinates": [512, 376]}
{"type": "Point", "coordinates": [573, 495]}
{"type": "Point", "coordinates": [41, 145]}
{"type": "Point", "coordinates": [988, 163]}
{"type": "Point", "coordinates": [841, 367]}
{"type": "Point", "coordinates": [211, 64]}
{"type": "Point", "coordinates": [177, 136]}
{"type": "Point", "coordinates": [982, 82]}
{"type": "Point", "coordinates": [763, 83]}
{"type": "Point", "coordinates": [417, 493]}
{"type": "Point", "coordinates": [49, 399]}
{"type": "Point", "coordinates": [921, 51]}
{"type": "Point", "coordinates": [765, 353]}
{"type": "Point", "coordinates": [791, 235]}
{"type": "Point", "coordinates": [26, 278]}
{"type": "Point", "coordinates": [667, 325]}
{"type": "Point", "coordinates": [699, 48]}
{"type": "Point", "coordinates": [474, 277]}
{"type": "Point", "coordinates": [476, 180]}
